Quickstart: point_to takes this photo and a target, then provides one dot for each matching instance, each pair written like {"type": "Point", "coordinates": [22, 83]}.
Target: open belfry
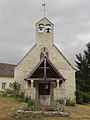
{"type": "Point", "coordinates": [44, 73]}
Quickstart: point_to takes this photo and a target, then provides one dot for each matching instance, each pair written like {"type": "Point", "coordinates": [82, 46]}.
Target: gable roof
{"type": "Point", "coordinates": [56, 73]}
{"type": "Point", "coordinates": [26, 54]}
{"type": "Point", "coordinates": [6, 70]}
{"type": "Point", "coordinates": [46, 19]}
{"type": "Point", "coordinates": [64, 57]}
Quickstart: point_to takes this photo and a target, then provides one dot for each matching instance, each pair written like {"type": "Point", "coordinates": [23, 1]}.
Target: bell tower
{"type": "Point", "coordinates": [44, 32]}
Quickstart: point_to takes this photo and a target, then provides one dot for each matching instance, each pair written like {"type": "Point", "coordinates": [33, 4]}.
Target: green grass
{"type": "Point", "coordinates": [9, 105]}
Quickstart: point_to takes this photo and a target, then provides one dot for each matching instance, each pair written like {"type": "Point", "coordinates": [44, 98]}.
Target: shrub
{"type": "Point", "coordinates": [70, 102]}
{"type": "Point", "coordinates": [38, 116]}
{"type": "Point", "coordinates": [13, 90]}
{"type": "Point", "coordinates": [60, 101]}
{"type": "Point", "coordinates": [31, 103]}
{"type": "Point", "coordinates": [8, 92]}
{"type": "Point", "coordinates": [82, 97]}
{"type": "Point", "coordinates": [79, 97]}
{"type": "Point", "coordinates": [86, 97]}
{"type": "Point", "coordinates": [15, 86]}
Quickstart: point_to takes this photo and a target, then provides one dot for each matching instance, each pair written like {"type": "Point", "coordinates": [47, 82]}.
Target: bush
{"type": "Point", "coordinates": [38, 116]}
{"type": "Point", "coordinates": [79, 97]}
{"type": "Point", "coordinates": [8, 92]}
{"type": "Point", "coordinates": [15, 86]}
{"type": "Point", "coordinates": [31, 103]}
{"type": "Point", "coordinates": [70, 102]}
{"type": "Point", "coordinates": [60, 101]}
{"type": "Point", "coordinates": [13, 90]}
{"type": "Point", "coordinates": [82, 97]}
{"type": "Point", "coordinates": [86, 97]}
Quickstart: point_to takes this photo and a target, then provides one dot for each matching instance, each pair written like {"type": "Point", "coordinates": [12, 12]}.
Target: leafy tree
{"type": "Point", "coordinates": [83, 73]}
{"type": "Point", "coordinates": [83, 76]}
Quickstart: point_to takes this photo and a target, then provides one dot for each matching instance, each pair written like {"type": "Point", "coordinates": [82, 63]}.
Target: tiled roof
{"type": "Point", "coordinates": [6, 70]}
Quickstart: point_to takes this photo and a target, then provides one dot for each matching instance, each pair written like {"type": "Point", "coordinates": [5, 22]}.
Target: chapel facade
{"type": "Point", "coordinates": [44, 73]}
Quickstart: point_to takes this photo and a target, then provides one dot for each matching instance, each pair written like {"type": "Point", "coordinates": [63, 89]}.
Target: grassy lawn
{"type": "Point", "coordinates": [9, 105]}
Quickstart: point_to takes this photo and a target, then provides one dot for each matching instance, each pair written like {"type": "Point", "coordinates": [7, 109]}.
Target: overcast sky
{"type": "Point", "coordinates": [17, 26]}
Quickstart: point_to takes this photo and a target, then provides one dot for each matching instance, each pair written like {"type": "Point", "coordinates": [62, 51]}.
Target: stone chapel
{"type": "Point", "coordinates": [44, 73]}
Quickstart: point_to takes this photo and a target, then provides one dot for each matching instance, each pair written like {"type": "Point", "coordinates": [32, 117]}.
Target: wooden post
{"type": "Point", "coordinates": [44, 69]}
{"type": "Point", "coordinates": [32, 83]}
{"type": "Point", "coordinates": [57, 83]}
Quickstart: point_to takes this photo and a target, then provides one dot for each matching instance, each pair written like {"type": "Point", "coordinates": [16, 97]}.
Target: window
{"type": "Point", "coordinates": [41, 55]}
{"type": "Point", "coordinates": [48, 28]}
{"type": "Point", "coordinates": [3, 85]}
{"type": "Point", "coordinates": [44, 52]}
{"type": "Point", "coordinates": [41, 28]}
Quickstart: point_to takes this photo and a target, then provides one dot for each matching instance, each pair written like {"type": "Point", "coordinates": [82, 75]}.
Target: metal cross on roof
{"type": "Point", "coordinates": [44, 8]}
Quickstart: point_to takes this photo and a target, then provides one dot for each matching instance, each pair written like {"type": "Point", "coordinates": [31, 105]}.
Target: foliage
{"type": "Point", "coordinates": [15, 86]}
{"type": "Point", "coordinates": [27, 98]}
{"type": "Point", "coordinates": [60, 101]}
{"type": "Point", "coordinates": [83, 75]}
{"type": "Point", "coordinates": [13, 90]}
{"type": "Point", "coordinates": [8, 92]}
{"type": "Point", "coordinates": [79, 97]}
{"type": "Point", "coordinates": [82, 97]}
{"type": "Point", "coordinates": [86, 97]}
{"type": "Point", "coordinates": [31, 103]}
{"type": "Point", "coordinates": [38, 116]}
{"type": "Point", "coordinates": [70, 102]}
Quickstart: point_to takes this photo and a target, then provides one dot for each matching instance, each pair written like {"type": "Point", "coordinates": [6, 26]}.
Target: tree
{"type": "Point", "coordinates": [83, 73]}
{"type": "Point", "coordinates": [83, 76]}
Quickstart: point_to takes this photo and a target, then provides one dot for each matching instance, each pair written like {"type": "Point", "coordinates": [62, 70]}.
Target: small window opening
{"type": "Point", "coordinates": [3, 85]}
{"type": "Point", "coordinates": [43, 53]}
{"type": "Point", "coordinates": [41, 28]}
{"type": "Point", "coordinates": [48, 28]}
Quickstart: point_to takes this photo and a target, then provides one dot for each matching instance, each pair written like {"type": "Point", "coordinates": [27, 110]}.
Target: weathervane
{"type": "Point", "coordinates": [44, 8]}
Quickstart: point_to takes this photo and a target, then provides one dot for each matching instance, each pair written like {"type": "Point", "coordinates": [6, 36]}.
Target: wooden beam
{"type": "Point", "coordinates": [43, 79]}
{"type": "Point", "coordinates": [44, 69]}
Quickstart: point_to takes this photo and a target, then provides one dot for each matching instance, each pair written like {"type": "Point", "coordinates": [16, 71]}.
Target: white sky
{"type": "Point", "coordinates": [17, 26]}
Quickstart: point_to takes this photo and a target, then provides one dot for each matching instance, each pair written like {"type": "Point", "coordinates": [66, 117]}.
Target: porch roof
{"type": "Point", "coordinates": [45, 70]}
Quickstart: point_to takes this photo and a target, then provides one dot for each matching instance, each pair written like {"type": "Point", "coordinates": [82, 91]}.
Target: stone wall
{"type": "Point", "coordinates": [31, 92]}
